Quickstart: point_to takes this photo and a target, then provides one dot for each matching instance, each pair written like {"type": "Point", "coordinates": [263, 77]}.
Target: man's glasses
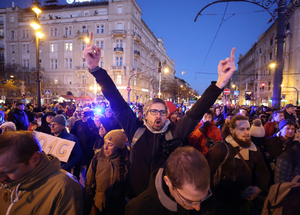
{"type": "Point", "coordinates": [154, 112]}
{"type": "Point", "coordinates": [188, 203]}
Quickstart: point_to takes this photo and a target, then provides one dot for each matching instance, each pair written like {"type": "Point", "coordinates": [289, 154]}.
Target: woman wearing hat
{"type": "Point", "coordinates": [106, 176]}
{"type": "Point", "coordinates": [46, 119]}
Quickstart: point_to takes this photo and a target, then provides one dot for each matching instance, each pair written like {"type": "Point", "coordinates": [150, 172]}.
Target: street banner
{"type": "Point", "coordinates": [59, 147]}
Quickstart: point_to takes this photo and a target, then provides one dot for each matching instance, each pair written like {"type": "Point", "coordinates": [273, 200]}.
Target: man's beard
{"type": "Point", "coordinates": [242, 143]}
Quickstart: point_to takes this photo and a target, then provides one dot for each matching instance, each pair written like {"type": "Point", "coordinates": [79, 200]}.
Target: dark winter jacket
{"type": "Point", "coordinates": [156, 199]}
{"type": "Point", "coordinates": [76, 154]}
{"type": "Point", "coordinates": [275, 145]}
{"type": "Point", "coordinates": [288, 165]}
{"type": "Point", "coordinates": [219, 120]}
{"type": "Point", "coordinates": [86, 132]}
{"type": "Point", "coordinates": [289, 116]}
{"type": "Point", "coordinates": [235, 177]}
{"type": "Point", "coordinates": [147, 153]}
{"type": "Point", "coordinates": [20, 118]}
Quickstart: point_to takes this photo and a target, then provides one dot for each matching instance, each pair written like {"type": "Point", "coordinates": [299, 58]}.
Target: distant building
{"type": "Point", "coordinates": [128, 47]}
{"type": "Point", "coordinates": [257, 75]}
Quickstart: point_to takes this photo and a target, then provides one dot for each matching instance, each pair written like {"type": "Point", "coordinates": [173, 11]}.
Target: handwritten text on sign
{"type": "Point", "coordinates": [59, 147]}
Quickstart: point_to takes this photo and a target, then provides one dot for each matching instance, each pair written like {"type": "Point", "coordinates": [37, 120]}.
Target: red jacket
{"type": "Point", "coordinates": [269, 129]}
{"type": "Point", "coordinates": [198, 140]}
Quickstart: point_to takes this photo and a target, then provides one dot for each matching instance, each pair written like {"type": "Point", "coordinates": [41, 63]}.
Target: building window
{"type": "Point", "coordinates": [119, 43]}
{"type": "Point", "coordinates": [13, 49]}
{"type": "Point", "coordinates": [68, 47]}
{"type": "Point", "coordinates": [101, 64]}
{"type": "Point", "coordinates": [23, 33]}
{"type": "Point", "coordinates": [24, 63]}
{"type": "Point", "coordinates": [71, 63]}
{"type": "Point", "coordinates": [55, 79]}
{"type": "Point", "coordinates": [97, 29]}
{"type": "Point", "coordinates": [70, 30]}
{"type": "Point", "coordinates": [66, 30]}
{"type": "Point", "coordinates": [121, 61]}
{"type": "Point", "coordinates": [51, 32]}
{"type": "Point", "coordinates": [119, 79]}
{"type": "Point", "coordinates": [83, 79]}
{"type": "Point", "coordinates": [83, 62]}
{"type": "Point", "coordinates": [1, 32]}
{"type": "Point", "coordinates": [27, 62]}
{"type": "Point", "coordinates": [27, 48]}
{"type": "Point", "coordinates": [83, 46]}
{"type": "Point", "coordinates": [24, 48]}
{"type": "Point", "coordinates": [271, 41]}
{"type": "Point", "coordinates": [27, 33]}
{"type": "Point", "coordinates": [12, 19]}
{"type": "Point", "coordinates": [12, 34]}
{"type": "Point", "coordinates": [117, 61]}
{"type": "Point", "coordinates": [67, 63]}
{"type": "Point", "coordinates": [84, 29]}
{"type": "Point", "coordinates": [55, 63]}
{"type": "Point", "coordinates": [269, 85]}
{"type": "Point", "coordinates": [53, 47]}
{"type": "Point", "coordinates": [55, 31]}
{"type": "Point", "coordinates": [102, 29]}
{"type": "Point", "coordinates": [270, 55]}
{"type": "Point", "coordinates": [52, 64]}
{"type": "Point", "coordinates": [102, 45]}
{"type": "Point", "coordinates": [120, 9]}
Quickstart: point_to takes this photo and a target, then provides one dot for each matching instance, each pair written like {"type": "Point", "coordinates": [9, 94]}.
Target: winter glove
{"type": "Point", "coordinates": [204, 125]}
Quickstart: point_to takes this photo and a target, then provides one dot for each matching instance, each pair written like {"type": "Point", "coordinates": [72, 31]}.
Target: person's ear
{"type": "Point", "coordinates": [35, 158]}
{"type": "Point", "coordinates": [167, 181]}
{"type": "Point", "coordinates": [231, 130]}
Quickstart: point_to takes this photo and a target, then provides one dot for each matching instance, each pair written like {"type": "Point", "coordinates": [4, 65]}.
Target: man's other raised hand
{"type": "Point", "coordinates": [226, 69]}
{"type": "Point", "coordinates": [91, 53]}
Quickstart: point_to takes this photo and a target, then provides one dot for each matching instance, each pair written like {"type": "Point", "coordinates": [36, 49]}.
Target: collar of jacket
{"type": "Point", "coordinates": [62, 133]}
{"type": "Point", "coordinates": [163, 198]}
{"type": "Point", "coordinates": [243, 151]}
{"type": "Point", "coordinates": [163, 130]}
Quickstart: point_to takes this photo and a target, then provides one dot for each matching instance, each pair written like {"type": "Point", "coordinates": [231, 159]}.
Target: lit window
{"type": "Point", "coordinates": [119, 79]}
{"type": "Point", "coordinates": [70, 46]}
{"type": "Point", "coordinates": [66, 47]}
{"type": "Point", "coordinates": [52, 47]}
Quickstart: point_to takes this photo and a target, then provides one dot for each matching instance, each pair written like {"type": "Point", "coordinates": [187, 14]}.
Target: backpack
{"type": "Point", "coordinates": [283, 199]}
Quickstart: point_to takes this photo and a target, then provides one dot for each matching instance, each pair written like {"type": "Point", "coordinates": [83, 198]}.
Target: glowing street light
{"type": "Point", "coordinates": [39, 34]}
{"type": "Point", "coordinates": [35, 26]}
{"type": "Point", "coordinates": [37, 10]}
{"type": "Point", "coordinates": [272, 65]}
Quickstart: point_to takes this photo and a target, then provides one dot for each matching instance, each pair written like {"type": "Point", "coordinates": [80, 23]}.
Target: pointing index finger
{"type": "Point", "coordinates": [90, 39]}
{"type": "Point", "coordinates": [232, 58]}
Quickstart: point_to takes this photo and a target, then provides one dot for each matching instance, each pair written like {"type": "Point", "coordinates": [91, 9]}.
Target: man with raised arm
{"type": "Point", "coordinates": [146, 137]}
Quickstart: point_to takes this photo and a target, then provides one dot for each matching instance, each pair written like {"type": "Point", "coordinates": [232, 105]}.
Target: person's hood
{"type": "Point", "coordinates": [46, 167]}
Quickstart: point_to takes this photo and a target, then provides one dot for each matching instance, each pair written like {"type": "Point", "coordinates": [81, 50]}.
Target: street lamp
{"type": "Point", "coordinates": [36, 26]}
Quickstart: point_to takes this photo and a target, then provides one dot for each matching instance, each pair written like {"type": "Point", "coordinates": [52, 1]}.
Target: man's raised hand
{"type": "Point", "coordinates": [92, 53]}
{"type": "Point", "coordinates": [226, 69]}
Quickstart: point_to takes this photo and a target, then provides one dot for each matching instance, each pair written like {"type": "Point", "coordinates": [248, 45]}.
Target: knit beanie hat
{"type": "Point", "coordinates": [9, 124]}
{"type": "Point", "coordinates": [257, 130]}
{"type": "Point", "coordinates": [117, 137]}
{"type": "Point", "coordinates": [285, 122]}
{"type": "Point", "coordinates": [59, 119]}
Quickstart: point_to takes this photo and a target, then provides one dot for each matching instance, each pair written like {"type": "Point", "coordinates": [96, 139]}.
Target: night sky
{"type": "Point", "coordinates": [189, 42]}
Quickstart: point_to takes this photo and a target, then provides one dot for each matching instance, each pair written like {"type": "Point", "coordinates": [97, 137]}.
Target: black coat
{"type": "Point", "coordinates": [20, 118]}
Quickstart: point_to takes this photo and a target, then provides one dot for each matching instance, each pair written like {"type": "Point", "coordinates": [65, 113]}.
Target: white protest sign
{"type": "Point", "coordinates": [59, 147]}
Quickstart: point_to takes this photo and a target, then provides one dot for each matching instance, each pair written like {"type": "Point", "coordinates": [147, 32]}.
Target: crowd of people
{"type": "Point", "coordinates": [153, 158]}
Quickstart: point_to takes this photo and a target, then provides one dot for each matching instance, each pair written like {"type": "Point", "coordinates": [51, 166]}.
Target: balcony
{"type": "Point", "coordinates": [80, 68]}
{"type": "Point", "coordinates": [118, 67]}
{"type": "Point", "coordinates": [152, 52]}
{"type": "Point", "coordinates": [137, 37]}
{"type": "Point", "coordinates": [136, 53]}
{"type": "Point", "coordinates": [118, 50]}
{"type": "Point", "coordinates": [82, 35]}
{"type": "Point", "coordinates": [118, 33]}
